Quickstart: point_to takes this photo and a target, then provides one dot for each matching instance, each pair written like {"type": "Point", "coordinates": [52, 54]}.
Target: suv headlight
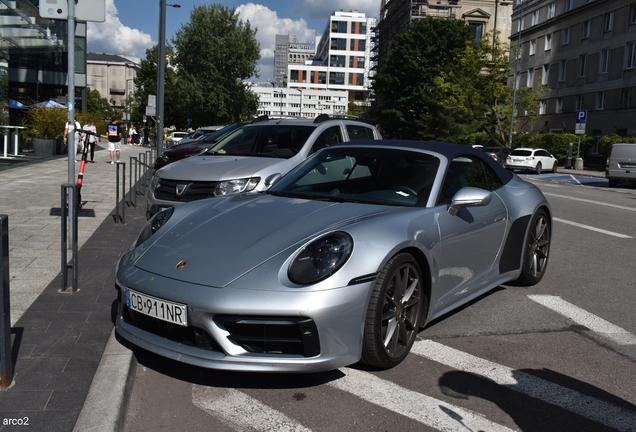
{"type": "Point", "coordinates": [231, 187]}
{"type": "Point", "coordinates": [321, 258]}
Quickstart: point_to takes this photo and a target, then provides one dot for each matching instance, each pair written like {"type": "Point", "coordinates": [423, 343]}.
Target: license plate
{"type": "Point", "coordinates": [629, 166]}
{"type": "Point", "coordinates": [157, 308]}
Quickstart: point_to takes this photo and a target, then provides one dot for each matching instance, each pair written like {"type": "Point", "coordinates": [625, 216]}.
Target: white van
{"type": "Point", "coordinates": [621, 164]}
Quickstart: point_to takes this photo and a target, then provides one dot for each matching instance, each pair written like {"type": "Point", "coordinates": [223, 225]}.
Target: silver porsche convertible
{"type": "Point", "coordinates": [344, 259]}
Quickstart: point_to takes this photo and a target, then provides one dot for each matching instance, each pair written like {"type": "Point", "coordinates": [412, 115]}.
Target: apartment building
{"type": "Point", "coordinates": [294, 102]}
{"type": "Point", "coordinates": [343, 58]}
{"type": "Point", "coordinates": [291, 51]}
{"type": "Point", "coordinates": [112, 76]}
{"type": "Point", "coordinates": [584, 54]}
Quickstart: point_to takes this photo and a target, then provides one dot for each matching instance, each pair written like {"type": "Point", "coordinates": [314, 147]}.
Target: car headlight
{"type": "Point", "coordinates": [321, 258]}
{"type": "Point", "coordinates": [165, 157]}
{"type": "Point", "coordinates": [231, 187]}
{"type": "Point", "coordinates": [154, 183]}
{"type": "Point", "coordinates": [153, 225]}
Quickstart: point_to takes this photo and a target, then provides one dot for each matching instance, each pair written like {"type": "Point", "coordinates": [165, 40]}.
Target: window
{"type": "Point", "coordinates": [626, 97]}
{"type": "Point", "coordinates": [521, 23]}
{"type": "Point", "coordinates": [338, 26]}
{"type": "Point", "coordinates": [569, 4]}
{"type": "Point", "coordinates": [357, 132]}
{"type": "Point", "coordinates": [336, 78]}
{"type": "Point", "coordinates": [582, 65]}
{"type": "Point", "coordinates": [608, 24]}
{"type": "Point", "coordinates": [579, 103]}
{"type": "Point", "coordinates": [551, 10]}
{"type": "Point", "coordinates": [546, 72]}
{"type": "Point", "coordinates": [542, 107]}
{"type": "Point", "coordinates": [359, 64]}
{"type": "Point", "coordinates": [337, 60]}
{"type": "Point", "coordinates": [605, 57]}
{"type": "Point", "coordinates": [361, 44]}
{"type": "Point", "coordinates": [559, 105]}
{"type": "Point", "coordinates": [562, 70]}
{"type": "Point", "coordinates": [629, 63]}
{"type": "Point", "coordinates": [533, 47]}
{"type": "Point", "coordinates": [600, 100]}
{"type": "Point", "coordinates": [632, 13]}
{"type": "Point", "coordinates": [535, 18]}
{"type": "Point", "coordinates": [358, 77]}
{"type": "Point", "coordinates": [363, 28]}
{"type": "Point", "coordinates": [565, 36]}
{"type": "Point", "coordinates": [338, 44]}
{"type": "Point", "coordinates": [548, 42]}
{"type": "Point", "coordinates": [467, 171]}
{"type": "Point", "coordinates": [585, 29]}
{"type": "Point", "coordinates": [478, 31]}
{"type": "Point", "coordinates": [530, 78]}
{"type": "Point", "coordinates": [517, 80]}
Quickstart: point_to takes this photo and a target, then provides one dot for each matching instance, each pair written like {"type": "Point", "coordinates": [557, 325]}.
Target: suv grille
{"type": "Point", "coordinates": [167, 190]}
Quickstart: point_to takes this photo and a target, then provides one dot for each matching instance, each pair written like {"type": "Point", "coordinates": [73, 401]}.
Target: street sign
{"type": "Point", "coordinates": [145, 118]}
{"type": "Point", "coordinates": [581, 119]}
{"type": "Point", "coordinates": [85, 10]}
{"type": "Point", "coordinates": [151, 110]}
{"type": "Point", "coordinates": [152, 101]}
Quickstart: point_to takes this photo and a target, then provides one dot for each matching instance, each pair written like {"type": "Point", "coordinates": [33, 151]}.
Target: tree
{"type": "Point", "coordinates": [98, 106]}
{"type": "Point", "coordinates": [214, 53]}
{"type": "Point", "coordinates": [405, 87]}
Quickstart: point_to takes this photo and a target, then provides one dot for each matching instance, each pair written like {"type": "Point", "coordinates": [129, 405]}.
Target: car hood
{"type": "Point", "coordinates": [188, 148]}
{"type": "Point", "coordinates": [226, 238]}
{"type": "Point", "coordinates": [217, 167]}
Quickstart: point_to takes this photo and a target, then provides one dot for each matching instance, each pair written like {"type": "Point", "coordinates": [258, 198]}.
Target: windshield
{"type": "Point", "coordinates": [280, 141]}
{"type": "Point", "coordinates": [365, 175]}
{"type": "Point", "coordinates": [521, 153]}
{"type": "Point", "coordinates": [214, 137]}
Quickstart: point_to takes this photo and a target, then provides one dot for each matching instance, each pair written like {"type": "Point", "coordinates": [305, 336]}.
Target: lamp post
{"type": "Point", "coordinates": [494, 33]}
{"type": "Point", "coordinates": [300, 110]}
{"type": "Point", "coordinates": [161, 71]}
{"type": "Point", "coordinates": [127, 110]}
{"type": "Point", "coordinates": [514, 77]}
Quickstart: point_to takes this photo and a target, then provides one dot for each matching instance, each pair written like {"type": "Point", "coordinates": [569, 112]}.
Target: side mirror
{"type": "Point", "coordinates": [272, 179]}
{"type": "Point", "coordinates": [469, 197]}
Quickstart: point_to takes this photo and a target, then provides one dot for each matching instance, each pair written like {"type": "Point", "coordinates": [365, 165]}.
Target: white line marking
{"type": "Point", "coordinates": [575, 179]}
{"type": "Point", "coordinates": [424, 409]}
{"type": "Point", "coordinates": [586, 406]}
{"type": "Point", "coordinates": [592, 202]}
{"type": "Point", "coordinates": [584, 318]}
{"type": "Point", "coordinates": [242, 412]}
{"type": "Point", "coordinates": [587, 227]}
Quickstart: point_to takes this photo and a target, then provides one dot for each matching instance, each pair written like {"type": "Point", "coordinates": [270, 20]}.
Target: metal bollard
{"type": "Point", "coordinates": [70, 196]}
{"type": "Point", "coordinates": [120, 218]}
{"type": "Point", "coordinates": [6, 362]}
{"type": "Point", "coordinates": [132, 185]}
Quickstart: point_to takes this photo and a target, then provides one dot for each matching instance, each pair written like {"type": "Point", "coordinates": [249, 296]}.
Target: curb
{"type": "Point", "coordinates": [104, 409]}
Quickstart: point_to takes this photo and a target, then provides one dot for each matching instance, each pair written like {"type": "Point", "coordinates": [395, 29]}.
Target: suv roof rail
{"type": "Point", "coordinates": [324, 117]}
{"type": "Point", "coordinates": [260, 119]}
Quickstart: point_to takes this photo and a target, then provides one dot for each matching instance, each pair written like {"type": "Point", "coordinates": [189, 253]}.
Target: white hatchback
{"type": "Point", "coordinates": [531, 159]}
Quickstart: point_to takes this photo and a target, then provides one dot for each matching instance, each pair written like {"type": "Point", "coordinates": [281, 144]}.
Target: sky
{"type": "Point", "coordinates": [132, 26]}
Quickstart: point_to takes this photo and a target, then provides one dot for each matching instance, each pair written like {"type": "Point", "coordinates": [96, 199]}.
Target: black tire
{"type": "Point", "coordinates": [613, 183]}
{"type": "Point", "coordinates": [537, 169]}
{"type": "Point", "coordinates": [536, 250]}
{"type": "Point", "coordinates": [394, 314]}
{"type": "Point", "coordinates": [554, 167]}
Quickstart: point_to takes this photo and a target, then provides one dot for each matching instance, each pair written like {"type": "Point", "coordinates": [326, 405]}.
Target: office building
{"type": "Point", "coordinates": [112, 76]}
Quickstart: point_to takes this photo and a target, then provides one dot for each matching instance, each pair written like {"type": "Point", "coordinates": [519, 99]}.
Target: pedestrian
{"type": "Point", "coordinates": [78, 136]}
{"type": "Point", "coordinates": [133, 134]}
{"type": "Point", "coordinates": [114, 140]}
{"type": "Point", "coordinates": [90, 140]}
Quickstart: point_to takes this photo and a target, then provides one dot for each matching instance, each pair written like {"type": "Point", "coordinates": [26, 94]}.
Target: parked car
{"type": "Point", "coordinates": [345, 258]}
{"type": "Point", "coordinates": [531, 159]}
{"type": "Point", "coordinates": [188, 148]}
{"type": "Point", "coordinates": [174, 138]}
{"type": "Point", "coordinates": [206, 130]}
{"type": "Point", "coordinates": [500, 154]}
{"type": "Point", "coordinates": [621, 164]}
{"type": "Point", "coordinates": [250, 158]}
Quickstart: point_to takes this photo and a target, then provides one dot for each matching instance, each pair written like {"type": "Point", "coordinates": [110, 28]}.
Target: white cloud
{"type": "Point", "coordinates": [324, 8]}
{"type": "Point", "coordinates": [268, 25]}
{"type": "Point", "coordinates": [113, 37]}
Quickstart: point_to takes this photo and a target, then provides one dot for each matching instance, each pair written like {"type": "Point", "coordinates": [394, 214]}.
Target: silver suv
{"type": "Point", "coordinates": [250, 159]}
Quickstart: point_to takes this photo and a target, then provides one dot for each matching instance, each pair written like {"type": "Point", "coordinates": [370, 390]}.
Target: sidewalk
{"type": "Point", "coordinates": [58, 339]}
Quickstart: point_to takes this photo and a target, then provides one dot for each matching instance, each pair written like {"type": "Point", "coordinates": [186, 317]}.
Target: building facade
{"type": "Point", "coordinates": [481, 15]}
{"type": "Point", "coordinates": [291, 51]}
{"type": "Point", "coordinates": [293, 102]}
{"type": "Point", "coordinates": [583, 54]}
{"type": "Point", "coordinates": [112, 76]}
{"type": "Point", "coordinates": [343, 58]}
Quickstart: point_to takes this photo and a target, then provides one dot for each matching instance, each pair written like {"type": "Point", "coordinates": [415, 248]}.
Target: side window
{"type": "Point", "coordinates": [358, 132]}
{"type": "Point", "coordinates": [466, 171]}
{"type": "Point", "coordinates": [328, 137]}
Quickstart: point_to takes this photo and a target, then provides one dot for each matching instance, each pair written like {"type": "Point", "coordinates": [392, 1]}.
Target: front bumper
{"type": "Point", "coordinates": [231, 328]}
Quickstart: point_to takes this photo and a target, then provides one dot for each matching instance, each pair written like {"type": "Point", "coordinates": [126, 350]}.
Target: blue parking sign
{"type": "Point", "coordinates": [581, 116]}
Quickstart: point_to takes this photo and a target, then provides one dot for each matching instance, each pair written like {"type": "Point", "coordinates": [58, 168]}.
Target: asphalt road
{"type": "Point", "coordinates": [559, 356]}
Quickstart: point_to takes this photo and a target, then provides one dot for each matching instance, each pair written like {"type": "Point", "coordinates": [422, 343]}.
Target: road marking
{"type": "Point", "coordinates": [592, 202]}
{"type": "Point", "coordinates": [586, 406]}
{"type": "Point", "coordinates": [432, 412]}
{"type": "Point", "coordinates": [242, 412]}
{"type": "Point", "coordinates": [591, 228]}
{"type": "Point", "coordinates": [584, 318]}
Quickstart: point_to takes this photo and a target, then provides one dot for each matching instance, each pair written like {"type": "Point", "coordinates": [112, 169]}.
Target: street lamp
{"type": "Point", "coordinates": [494, 33]}
{"type": "Point", "coordinates": [300, 110]}
{"type": "Point", "coordinates": [127, 110]}
{"type": "Point", "coordinates": [514, 77]}
{"type": "Point", "coordinates": [161, 71]}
